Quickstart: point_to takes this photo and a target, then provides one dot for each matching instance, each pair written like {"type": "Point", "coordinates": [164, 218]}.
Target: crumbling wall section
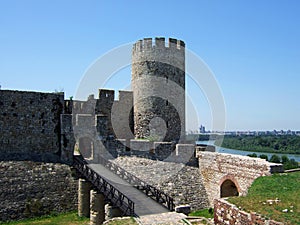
{"type": "Point", "coordinates": [226, 213]}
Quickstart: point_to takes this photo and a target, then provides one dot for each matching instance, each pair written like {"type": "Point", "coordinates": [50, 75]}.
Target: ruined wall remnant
{"type": "Point", "coordinates": [227, 213]}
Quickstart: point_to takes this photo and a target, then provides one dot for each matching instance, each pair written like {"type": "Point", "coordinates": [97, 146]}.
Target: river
{"type": "Point", "coordinates": [241, 152]}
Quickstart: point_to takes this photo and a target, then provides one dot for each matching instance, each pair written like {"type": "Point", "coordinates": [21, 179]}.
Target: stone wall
{"type": "Point", "coordinates": [163, 149]}
{"type": "Point", "coordinates": [178, 175]}
{"type": "Point", "coordinates": [30, 124]}
{"type": "Point", "coordinates": [241, 171]}
{"type": "Point", "coordinates": [33, 188]}
{"type": "Point", "coordinates": [226, 213]}
{"type": "Point", "coordinates": [111, 118]}
{"type": "Point", "coordinates": [104, 107]}
{"type": "Point", "coordinates": [141, 145]}
{"type": "Point", "coordinates": [67, 139]}
{"type": "Point", "coordinates": [139, 148]}
{"type": "Point", "coordinates": [122, 115]}
{"type": "Point", "coordinates": [186, 187]}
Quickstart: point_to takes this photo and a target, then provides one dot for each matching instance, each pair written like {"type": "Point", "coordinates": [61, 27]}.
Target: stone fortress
{"type": "Point", "coordinates": [143, 132]}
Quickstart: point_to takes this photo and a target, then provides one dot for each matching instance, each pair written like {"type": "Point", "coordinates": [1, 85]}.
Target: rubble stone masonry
{"type": "Point", "coordinates": [30, 125]}
{"type": "Point", "coordinates": [215, 168]}
{"type": "Point", "coordinates": [34, 188]}
{"type": "Point", "coordinates": [226, 213]}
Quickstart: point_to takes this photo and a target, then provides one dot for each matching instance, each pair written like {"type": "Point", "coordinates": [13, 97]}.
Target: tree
{"type": "Point", "coordinates": [263, 156]}
{"type": "Point", "coordinates": [285, 159]}
{"type": "Point", "coordinates": [275, 159]}
{"type": "Point", "coordinates": [253, 155]}
{"type": "Point", "coordinates": [291, 164]}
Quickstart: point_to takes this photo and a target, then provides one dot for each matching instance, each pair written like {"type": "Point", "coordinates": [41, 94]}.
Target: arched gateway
{"type": "Point", "coordinates": [228, 188]}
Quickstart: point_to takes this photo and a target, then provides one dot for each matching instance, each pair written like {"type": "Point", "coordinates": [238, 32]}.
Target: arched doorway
{"type": "Point", "coordinates": [228, 188]}
{"type": "Point", "coordinates": [86, 147]}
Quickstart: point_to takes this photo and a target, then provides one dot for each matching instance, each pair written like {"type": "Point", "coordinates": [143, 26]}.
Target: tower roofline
{"type": "Point", "coordinates": [158, 43]}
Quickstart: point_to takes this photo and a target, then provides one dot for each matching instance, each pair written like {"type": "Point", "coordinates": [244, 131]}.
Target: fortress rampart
{"type": "Point", "coordinates": [41, 128]}
{"type": "Point", "coordinates": [30, 125]}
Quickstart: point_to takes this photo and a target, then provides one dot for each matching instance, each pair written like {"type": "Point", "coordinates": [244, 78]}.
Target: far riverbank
{"type": "Point", "coordinates": [245, 153]}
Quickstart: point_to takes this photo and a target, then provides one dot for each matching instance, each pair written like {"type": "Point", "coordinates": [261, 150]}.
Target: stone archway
{"type": "Point", "coordinates": [228, 188]}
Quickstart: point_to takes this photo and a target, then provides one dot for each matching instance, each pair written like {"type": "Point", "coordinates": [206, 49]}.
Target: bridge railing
{"type": "Point", "coordinates": [151, 191]}
{"type": "Point", "coordinates": [116, 197]}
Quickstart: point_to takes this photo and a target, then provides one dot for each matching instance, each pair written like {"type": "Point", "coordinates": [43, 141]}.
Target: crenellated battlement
{"type": "Point", "coordinates": [148, 44]}
{"type": "Point", "coordinates": [171, 52]}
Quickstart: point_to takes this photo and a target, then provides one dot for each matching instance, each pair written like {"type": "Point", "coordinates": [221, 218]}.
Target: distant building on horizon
{"type": "Point", "coordinates": [202, 129]}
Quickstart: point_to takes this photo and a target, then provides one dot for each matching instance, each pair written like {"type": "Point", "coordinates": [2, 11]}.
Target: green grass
{"type": "Point", "coordinates": [65, 219]}
{"type": "Point", "coordinates": [285, 187]}
{"type": "Point", "coordinates": [207, 213]}
{"type": "Point", "coordinates": [61, 219]}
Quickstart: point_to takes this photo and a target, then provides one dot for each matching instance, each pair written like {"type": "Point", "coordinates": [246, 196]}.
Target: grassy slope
{"type": "Point", "coordinates": [62, 219]}
{"type": "Point", "coordinates": [203, 213]}
{"type": "Point", "coordinates": [285, 187]}
{"type": "Point", "coordinates": [66, 219]}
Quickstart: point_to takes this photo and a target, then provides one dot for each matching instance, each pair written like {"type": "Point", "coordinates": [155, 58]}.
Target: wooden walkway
{"type": "Point", "coordinates": [144, 205]}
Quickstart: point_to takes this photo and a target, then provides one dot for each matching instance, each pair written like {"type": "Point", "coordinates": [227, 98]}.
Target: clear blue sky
{"type": "Point", "coordinates": [252, 47]}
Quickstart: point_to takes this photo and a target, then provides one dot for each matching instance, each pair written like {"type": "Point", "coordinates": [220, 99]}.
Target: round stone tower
{"type": "Point", "coordinates": [158, 85]}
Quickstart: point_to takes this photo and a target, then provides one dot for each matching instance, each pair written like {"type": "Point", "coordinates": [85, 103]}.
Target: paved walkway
{"type": "Point", "coordinates": [143, 205]}
{"type": "Point", "coordinates": [169, 218]}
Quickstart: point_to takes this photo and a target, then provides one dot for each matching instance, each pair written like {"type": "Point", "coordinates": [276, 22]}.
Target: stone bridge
{"type": "Point", "coordinates": [227, 175]}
